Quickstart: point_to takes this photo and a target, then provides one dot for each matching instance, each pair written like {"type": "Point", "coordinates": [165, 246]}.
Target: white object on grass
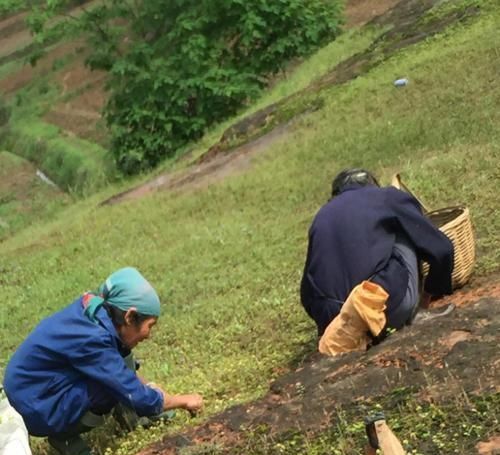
{"type": "Point", "coordinates": [44, 178]}
{"type": "Point", "coordinates": [14, 439]}
{"type": "Point", "coordinates": [401, 82]}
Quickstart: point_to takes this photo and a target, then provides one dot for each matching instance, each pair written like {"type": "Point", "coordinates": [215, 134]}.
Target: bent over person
{"type": "Point", "coordinates": [361, 275]}
{"type": "Point", "coordinates": [76, 365]}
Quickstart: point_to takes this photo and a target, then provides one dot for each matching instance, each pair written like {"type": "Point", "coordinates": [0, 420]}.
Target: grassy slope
{"type": "Point", "coordinates": [24, 198]}
{"type": "Point", "coordinates": [75, 164]}
{"type": "Point", "coordinates": [227, 261]}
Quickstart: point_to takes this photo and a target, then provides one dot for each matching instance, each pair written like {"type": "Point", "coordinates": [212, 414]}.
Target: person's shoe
{"type": "Point", "coordinates": [126, 417]}
{"type": "Point", "coordinates": [74, 445]}
{"type": "Point", "coordinates": [129, 420]}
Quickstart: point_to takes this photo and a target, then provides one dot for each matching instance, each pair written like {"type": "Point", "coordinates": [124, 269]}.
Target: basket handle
{"type": "Point", "coordinates": [398, 183]}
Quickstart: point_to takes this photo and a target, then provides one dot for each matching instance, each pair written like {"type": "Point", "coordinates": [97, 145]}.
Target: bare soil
{"type": "Point", "coordinates": [11, 25]}
{"type": "Point", "coordinates": [359, 12]}
{"type": "Point", "coordinates": [18, 183]}
{"type": "Point", "coordinates": [205, 172]}
{"type": "Point", "coordinates": [16, 187]}
{"type": "Point", "coordinates": [16, 37]}
{"type": "Point", "coordinates": [28, 73]}
{"type": "Point", "coordinates": [81, 115]}
{"type": "Point", "coordinates": [82, 90]}
{"type": "Point", "coordinates": [14, 34]}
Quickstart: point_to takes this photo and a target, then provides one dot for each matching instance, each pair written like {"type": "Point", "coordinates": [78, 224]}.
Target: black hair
{"type": "Point", "coordinates": [356, 175]}
{"type": "Point", "coordinates": [118, 316]}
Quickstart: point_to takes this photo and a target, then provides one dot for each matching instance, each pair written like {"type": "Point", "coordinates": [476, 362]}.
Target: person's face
{"type": "Point", "coordinates": [131, 333]}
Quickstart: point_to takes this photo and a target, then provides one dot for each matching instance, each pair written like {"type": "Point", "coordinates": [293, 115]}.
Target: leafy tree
{"type": "Point", "coordinates": [178, 66]}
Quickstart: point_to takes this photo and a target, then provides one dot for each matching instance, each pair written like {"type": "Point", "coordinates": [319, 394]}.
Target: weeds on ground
{"type": "Point", "coordinates": [422, 428]}
{"type": "Point", "coordinates": [24, 198]}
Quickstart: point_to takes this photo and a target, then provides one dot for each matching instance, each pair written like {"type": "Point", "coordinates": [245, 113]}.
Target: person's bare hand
{"type": "Point", "coordinates": [193, 403]}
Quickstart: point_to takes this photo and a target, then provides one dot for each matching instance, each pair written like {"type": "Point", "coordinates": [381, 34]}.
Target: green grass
{"type": "Point", "coordinates": [227, 260]}
{"type": "Point", "coordinates": [74, 164]}
{"type": "Point", "coordinates": [423, 428]}
{"type": "Point", "coordinates": [9, 68]}
{"type": "Point", "coordinates": [24, 198]}
{"type": "Point", "coordinates": [324, 60]}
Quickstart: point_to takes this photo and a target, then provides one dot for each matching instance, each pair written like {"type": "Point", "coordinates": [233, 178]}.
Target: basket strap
{"type": "Point", "coordinates": [398, 183]}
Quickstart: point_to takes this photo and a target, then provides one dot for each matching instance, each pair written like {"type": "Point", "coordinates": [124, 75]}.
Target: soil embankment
{"type": "Point", "coordinates": [439, 359]}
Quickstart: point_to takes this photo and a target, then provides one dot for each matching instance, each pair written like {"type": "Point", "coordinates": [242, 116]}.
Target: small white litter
{"type": "Point", "coordinates": [401, 82]}
{"type": "Point", "coordinates": [44, 178]}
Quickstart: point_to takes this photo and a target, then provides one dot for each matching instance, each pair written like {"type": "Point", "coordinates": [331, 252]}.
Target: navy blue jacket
{"type": "Point", "coordinates": [352, 239]}
{"type": "Point", "coordinates": [47, 378]}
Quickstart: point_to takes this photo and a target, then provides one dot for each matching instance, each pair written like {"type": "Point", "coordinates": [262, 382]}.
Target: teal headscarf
{"type": "Point", "coordinates": [124, 289]}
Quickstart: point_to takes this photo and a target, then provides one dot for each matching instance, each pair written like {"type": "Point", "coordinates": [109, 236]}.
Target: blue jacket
{"type": "Point", "coordinates": [352, 238]}
{"type": "Point", "coordinates": [46, 378]}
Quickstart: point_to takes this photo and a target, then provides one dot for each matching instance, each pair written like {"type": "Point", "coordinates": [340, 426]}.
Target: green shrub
{"type": "Point", "coordinates": [214, 56]}
{"type": "Point", "coordinates": [178, 66]}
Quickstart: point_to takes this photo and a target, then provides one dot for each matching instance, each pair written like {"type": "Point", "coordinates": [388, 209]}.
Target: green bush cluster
{"type": "Point", "coordinates": [178, 66]}
{"type": "Point", "coordinates": [7, 6]}
{"type": "Point", "coordinates": [202, 62]}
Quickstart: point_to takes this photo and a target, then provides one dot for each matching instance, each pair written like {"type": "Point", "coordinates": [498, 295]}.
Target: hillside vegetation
{"type": "Point", "coordinates": [25, 199]}
{"type": "Point", "coordinates": [172, 70]}
{"type": "Point", "coordinates": [227, 260]}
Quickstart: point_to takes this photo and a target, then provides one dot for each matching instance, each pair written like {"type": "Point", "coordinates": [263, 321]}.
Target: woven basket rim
{"type": "Point", "coordinates": [459, 219]}
{"type": "Point", "coordinates": [449, 208]}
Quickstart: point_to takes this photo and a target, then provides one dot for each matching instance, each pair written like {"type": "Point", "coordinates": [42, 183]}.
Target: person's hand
{"type": "Point", "coordinates": [190, 402]}
{"type": "Point", "coordinates": [193, 403]}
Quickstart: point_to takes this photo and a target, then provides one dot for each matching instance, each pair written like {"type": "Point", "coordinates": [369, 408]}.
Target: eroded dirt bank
{"type": "Point", "coordinates": [440, 359]}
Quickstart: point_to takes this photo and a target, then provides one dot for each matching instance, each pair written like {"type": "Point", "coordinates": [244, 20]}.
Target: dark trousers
{"type": "Point", "coordinates": [101, 398]}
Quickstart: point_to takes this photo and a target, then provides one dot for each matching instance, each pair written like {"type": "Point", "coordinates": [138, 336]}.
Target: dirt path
{"type": "Point", "coordinates": [205, 172]}
{"type": "Point", "coordinates": [12, 24]}
{"type": "Point", "coordinates": [441, 359]}
{"type": "Point", "coordinates": [13, 34]}
{"type": "Point", "coordinates": [359, 12]}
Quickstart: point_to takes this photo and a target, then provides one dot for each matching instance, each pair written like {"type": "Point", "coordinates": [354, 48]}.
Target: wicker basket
{"type": "Point", "coordinates": [456, 224]}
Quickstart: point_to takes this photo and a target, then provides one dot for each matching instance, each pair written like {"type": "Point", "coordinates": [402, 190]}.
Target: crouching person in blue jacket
{"type": "Point", "coordinates": [365, 246]}
{"type": "Point", "coordinates": [75, 367]}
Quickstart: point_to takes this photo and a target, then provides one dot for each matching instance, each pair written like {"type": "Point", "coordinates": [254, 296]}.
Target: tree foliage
{"type": "Point", "coordinates": [178, 66]}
